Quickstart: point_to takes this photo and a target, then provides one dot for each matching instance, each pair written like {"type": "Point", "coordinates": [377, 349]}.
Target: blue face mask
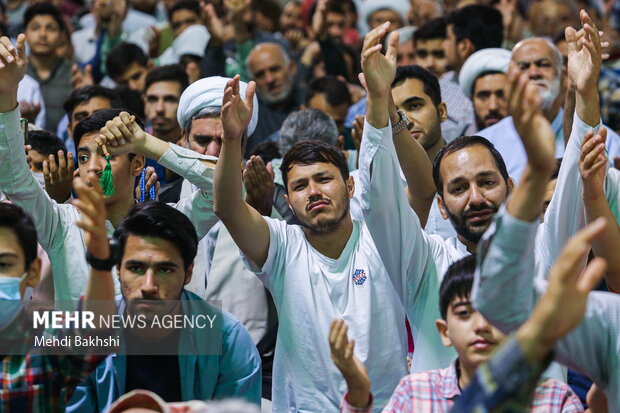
{"type": "Point", "coordinates": [11, 301]}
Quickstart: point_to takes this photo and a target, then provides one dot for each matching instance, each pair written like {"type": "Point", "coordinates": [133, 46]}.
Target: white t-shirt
{"type": "Point", "coordinates": [310, 290]}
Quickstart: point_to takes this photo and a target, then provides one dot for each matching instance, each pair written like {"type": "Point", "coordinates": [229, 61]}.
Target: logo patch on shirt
{"type": "Point", "coordinates": [359, 277]}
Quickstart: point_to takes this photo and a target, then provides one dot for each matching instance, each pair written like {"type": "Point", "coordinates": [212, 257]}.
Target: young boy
{"type": "Point", "coordinates": [474, 340]}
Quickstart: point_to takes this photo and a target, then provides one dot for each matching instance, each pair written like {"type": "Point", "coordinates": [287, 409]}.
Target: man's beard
{"type": "Point", "coordinates": [471, 234]}
{"type": "Point", "coordinates": [280, 97]}
{"type": "Point", "coordinates": [482, 123]}
{"type": "Point", "coordinates": [326, 226]}
{"type": "Point", "coordinates": [549, 94]}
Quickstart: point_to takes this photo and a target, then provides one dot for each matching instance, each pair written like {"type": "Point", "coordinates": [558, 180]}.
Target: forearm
{"type": "Point", "coordinates": [607, 244]}
{"type": "Point", "coordinates": [526, 202]}
{"type": "Point", "coordinates": [587, 106]}
{"type": "Point", "coordinates": [569, 111]}
{"type": "Point", "coordinates": [417, 169]}
{"type": "Point", "coordinates": [8, 101]}
{"type": "Point", "coordinates": [228, 193]}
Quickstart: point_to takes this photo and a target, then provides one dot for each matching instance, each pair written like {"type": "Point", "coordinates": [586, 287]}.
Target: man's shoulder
{"type": "Point", "coordinates": [502, 127]}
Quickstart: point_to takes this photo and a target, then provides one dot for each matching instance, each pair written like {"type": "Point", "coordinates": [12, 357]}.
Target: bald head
{"type": "Point", "coordinates": [273, 71]}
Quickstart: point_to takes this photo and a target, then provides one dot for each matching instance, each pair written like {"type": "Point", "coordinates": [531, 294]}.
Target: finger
{"type": "Point", "coordinates": [392, 46]}
{"type": "Point", "coordinates": [348, 350]}
{"type": "Point", "coordinates": [272, 174]}
{"type": "Point", "coordinates": [152, 179]}
{"type": "Point", "coordinates": [62, 163]}
{"type": "Point", "coordinates": [236, 85]}
{"type": "Point", "coordinates": [70, 163]}
{"type": "Point", "coordinates": [333, 329]}
{"type": "Point", "coordinates": [5, 56]}
{"type": "Point", "coordinates": [593, 156]}
{"type": "Point", "coordinates": [108, 137]}
{"type": "Point", "coordinates": [588, 234]}
{"type": "Point", "coordinates": [124, 131]}
{"type": "Point", "coordinates": [53, 166]}
{"type": "Point", "coordinates": [21, 47]}
{"type": "Point", "coordinates": [157, 185]}
{"type": "Point", "coordinates": [113, 127]}
{"type": "Point", "coordinates": [592, 275]}
{"type": "Point", "coordinates": [249, 94]}
{"type": "Point", "coordinates": [372, 50]}
{"type": "Point", "coordinates": [589, 142]}
{"type": "Point", "coordinates": [47, 176]}
{"type": "Point", "coordinates": [9, 46]}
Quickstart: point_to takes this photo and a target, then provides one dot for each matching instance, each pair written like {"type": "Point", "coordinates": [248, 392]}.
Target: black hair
{"type": "Point", "coordinates": [18, 221]}
{"type": "Point", "coordinates": [44, 9]}
{"type": "Point", "coordinates": [159, 220]}
{"type": "Point", "coordinates": [131, 99]}
{"type": "Point", "coordinates": [122, 56]}
{"type": "Point", "coordinates": [96, 121]}
{"type": "Point", "coordinates": [430, 82]}
{"type": "Point", "coordinates": [336, 91]}
{"type": "Point", "coordinates": [482, 25]}
{"type": "Point", "coordinates": [432, 29]}
{"type": "Point", "coordinates": [86, 93]}
{"type": "Point", "coordinates": [457, 282]}
{"type": "Point", "coordinates": [310, 152]}
{"type": "Point", "coordinates": [46, 143]}
{"type": "Point", "coordinates": [463, 142]}
{"type": "Point", "coordinates": [483, 74]}
{"type": "Point", "coordinates": [267, 150]}
{"type": "Point", "coordinates": [169, 73]}
{"type": "Point", "coordinates": [191, 5]}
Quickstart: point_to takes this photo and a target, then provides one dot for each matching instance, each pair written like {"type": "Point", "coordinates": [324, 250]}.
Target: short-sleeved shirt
{"type": "Point", "coordinates": [310, 290]}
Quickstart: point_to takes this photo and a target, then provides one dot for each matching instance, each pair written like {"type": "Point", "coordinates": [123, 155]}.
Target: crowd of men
{"type": "Point", "coordinates": [391, 205]}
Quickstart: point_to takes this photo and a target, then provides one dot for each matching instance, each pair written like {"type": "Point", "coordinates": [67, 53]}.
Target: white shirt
{"type": "Point", "coordinates": [29, 91]}
{"type": "Point", "coordinates": [55, 223]}
{"type": "Point", "coordinates": [417, 261]}
{"type": "Point", "coordinates": [310, 290]}
{"type": "Point", "coordinates": [506, 140]}
{"type": "Point", "coordinates": [515, 256]}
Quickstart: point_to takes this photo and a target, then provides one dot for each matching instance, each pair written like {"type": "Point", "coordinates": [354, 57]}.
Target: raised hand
{"type": "Point", "coordinates": [352, 369]}
{"type": "Point", "coordinates": [143, 190]}
{"type": "Point", "coordinates": [236, 113]}
{"type": "Point", "coordinates": [534, 129]}
{"type": "Point", "coordinates": [379, 70]}
{"type": "Point", "coordinates": [122, 135]}
{"type": "Point", "coordinates": [81, 79]}
{"type": "Point", "coordinates": [13, 65]}
{"type": "Point", "coordinates": [93, 213]}
{"type": "Point", "coordinates": [259, 185]}
{"type": "Point", "coordinates": [592, 161]}
{"type": "Point", "coordinates": [214, 24]}
{"type": "Point", "coordinates": [318, 20]}
{"type": "Point", "coordinates": [584, 54]}
{"type": "Point", "coordinates": [29, 110]}
{"type": "Point", "coordinates": [59, 177]}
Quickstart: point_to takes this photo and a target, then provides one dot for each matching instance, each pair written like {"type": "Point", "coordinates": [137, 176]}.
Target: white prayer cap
{"type": "Point", "coordinates": [192, 40]}
{"type": "Point", "coordinates": [209, 92]}
{"type": "Point", "coordinates": [485, 60]}
{"type": "Point", "coordinates": [370, 6]}
{"type": "Point", "coordinates": [405, 34]}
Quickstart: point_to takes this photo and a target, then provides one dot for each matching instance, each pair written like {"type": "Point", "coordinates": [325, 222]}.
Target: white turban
{"type": "Point", "coordinates": [485, 60]}
{"type": "Point", "coordinates": [209, 92]}
{"type": "Point", "coordinates": [370, 6]}
{"type": "Point", "coordinates": [192, 40]}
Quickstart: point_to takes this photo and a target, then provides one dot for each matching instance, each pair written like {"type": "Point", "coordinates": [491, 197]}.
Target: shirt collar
{"type": "Point", "coordinates": [449, 387]}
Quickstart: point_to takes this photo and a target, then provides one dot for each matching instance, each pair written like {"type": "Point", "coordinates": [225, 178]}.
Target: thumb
{"type": "Point", "coordinates": [21, 47]}
{"type": "Point", "coordinates": [362, 79]}
{"type": "Point", "coordinates": [88, 71]}
{"type": "Point", "coordinates": [270, 169]}
{"type": "Point", "coordinates": [592, 275]}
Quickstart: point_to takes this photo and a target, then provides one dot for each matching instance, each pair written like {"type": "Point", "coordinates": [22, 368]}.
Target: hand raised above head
{"type": "Point", "coordinates": [379, 69]}
{"type": "Point", "coordinates": [236, 112]}
{"type": "Point", "coordinates": [13, 65]}
{"type": "Point", "coordinates": [122, 135]}
{"type": "Point", "coordinates": [585, 54]}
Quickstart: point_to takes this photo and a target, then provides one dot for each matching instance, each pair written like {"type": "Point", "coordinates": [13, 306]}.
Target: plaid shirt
{"type": "Point", "coordinates": [40, 382]}
{"type": "Point", "coordinates": [502, 384]}
{"type": "Point", "coordinates": [461, 120]}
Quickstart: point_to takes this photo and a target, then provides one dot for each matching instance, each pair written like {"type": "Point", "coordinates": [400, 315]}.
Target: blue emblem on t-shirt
{"type": "Point", "coordinates": [359, 277]}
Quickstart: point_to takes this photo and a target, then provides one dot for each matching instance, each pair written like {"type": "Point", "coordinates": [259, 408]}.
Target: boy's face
{"type": "Point", "coordinates": [12, 260]}
{"type": "Point", "coordinates": [134, 77]}
{"type": "Point", "coordinates": [472, 336]}
{"type": "Point", "coordinates": [36, 160]}
{"type": "Point", "coordinates": [43, 34]}
{"type": "Point", "coordinates": [124, 171]}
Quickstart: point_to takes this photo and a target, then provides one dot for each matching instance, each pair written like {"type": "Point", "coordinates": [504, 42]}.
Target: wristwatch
{"type": "Point", "coordinates": [108, 263]}
{"type": "Point", "coordinates": [403, 123]}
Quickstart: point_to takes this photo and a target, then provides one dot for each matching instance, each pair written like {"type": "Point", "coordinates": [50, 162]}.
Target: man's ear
{"type": "Point", "coordinates": [465, 48]}
{"type": "Point", "coordinates": [443, 112]}
{"type": "Point", "coordinates": [289, 204]}
{"type": "Point", "coordinates": [511, 186]}
{"type": "Point", "coordinates": [70, 131]}
{"type": "Point", "coordinates": [442, 327]}
{"type": "Point", "coordinates": [34, 274]}
{"type": "Point", "coordinates": [442, 207]}
{"type": "Point", "coordinates": [183, 139]}
{"type": "Point", "coordinates": [350, 186]}
{"type": "Point", "coordinates": [137, 165]}
{"type": "Point", "coordinates": [188, 274]}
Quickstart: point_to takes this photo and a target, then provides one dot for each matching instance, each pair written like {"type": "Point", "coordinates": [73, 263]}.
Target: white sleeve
{"type": "Point", "coordinates": [18, 184]}
{"type": "Point", "coordinates": [394, 226]}
{"type": "Point", "coordinates": [566, 212]}
{"type": "Point", "coordinates": [505, 268]}
{"type": "Point", "coordinates": [274, 266]}
{"type": "Point", "coordinates": [593, 347]}
{"type": "Point", "coordinates": [198, 207]}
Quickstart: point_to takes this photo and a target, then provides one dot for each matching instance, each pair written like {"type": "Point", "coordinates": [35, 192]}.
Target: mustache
{"type": "Point", "coordinates": [493, 114]}
{"type": "Point", "coordinates": [481, 207]}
